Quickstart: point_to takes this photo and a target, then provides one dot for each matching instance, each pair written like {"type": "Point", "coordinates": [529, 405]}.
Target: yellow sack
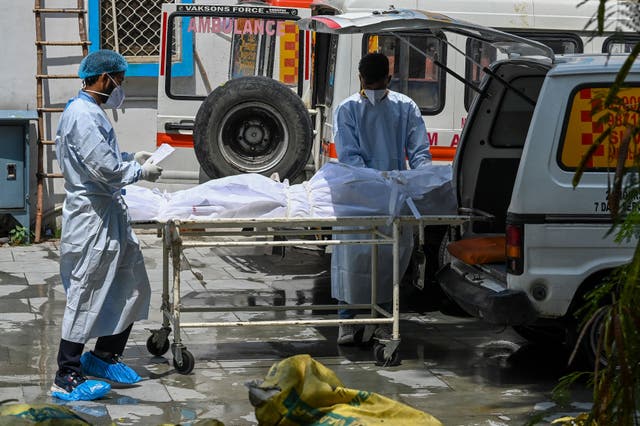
{"type": "Point", "coordinates": [301, 391]}
{"type": "Point", "coordinates": [39, 414]}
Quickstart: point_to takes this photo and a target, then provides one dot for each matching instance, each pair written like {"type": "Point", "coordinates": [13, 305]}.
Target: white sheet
{"type": "Point", "coordinates": [335, 190]}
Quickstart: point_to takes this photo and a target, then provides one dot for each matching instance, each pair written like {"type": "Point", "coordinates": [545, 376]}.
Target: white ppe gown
{"type": "Point", "coordinates": [101, 265]}
{"type": "Point", "coordinates": [382, 137]}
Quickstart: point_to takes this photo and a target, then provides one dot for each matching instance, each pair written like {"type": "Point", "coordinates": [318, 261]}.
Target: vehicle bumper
{"type": "Point", "coordinates": [484, 301]}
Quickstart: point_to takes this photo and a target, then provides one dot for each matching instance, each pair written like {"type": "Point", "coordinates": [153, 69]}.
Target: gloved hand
{"type": "Point", "coordinates": [151, 172]}
{"type": "Point", "coordinates": [141, 156]}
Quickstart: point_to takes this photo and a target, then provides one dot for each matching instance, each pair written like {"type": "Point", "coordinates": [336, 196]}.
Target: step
{"type": "Point", "coordinates": [56, 76]}
{"type": "Point", "coordinates": [50, 175]}
{"type": "Point", "coordinates": [62, 43]}
{"type": "Point", "coordinates": [50, 109]}
{"type": "Point", "coordinates": [58, 10]}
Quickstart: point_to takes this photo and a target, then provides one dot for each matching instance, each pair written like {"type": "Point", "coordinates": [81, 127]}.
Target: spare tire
{"type": "Point", "coordinates": [252, 125]}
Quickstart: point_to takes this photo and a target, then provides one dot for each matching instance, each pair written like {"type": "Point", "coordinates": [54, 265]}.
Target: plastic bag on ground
{"type": "Point", "coordinates": [41, 414]}
{"type": "Point", "coordinates": [301, 391]}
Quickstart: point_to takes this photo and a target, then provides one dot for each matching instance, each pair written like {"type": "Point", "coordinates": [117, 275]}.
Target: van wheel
{"type": "Point", "coordinates": [589, 344]}
{"type": "Point", "coordinates": [252, 125]}
{"type": "Point", "coordinates": [541, 334]}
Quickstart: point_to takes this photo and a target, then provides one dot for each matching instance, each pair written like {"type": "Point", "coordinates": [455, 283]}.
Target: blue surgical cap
{"type": "Point", "coordinates": [102, 61]}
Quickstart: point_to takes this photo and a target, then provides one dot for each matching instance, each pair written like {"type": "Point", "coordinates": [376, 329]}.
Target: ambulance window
{"type": "Point", "coordinates": [325, 51]}
{"type": "Point", "coordinates": [619, 43]}
{"type": "Point", "coordinates": [512, 121]}
{"type": "Point", "coordinates": [480, 53]}
{"type": "Point", "coordinates": [582, 128]}
{"type": "Point", "coordinates": [560, 43]}
{"type": "Point", "coordinates": [331, 81]}
{"type": "Point", "coordinates": [413, 73]}
{"type": "Point", "coordinates": [222, 48]}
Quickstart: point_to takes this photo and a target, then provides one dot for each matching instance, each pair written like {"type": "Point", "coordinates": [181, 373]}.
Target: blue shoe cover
{"type": "Point", "coordinates": [118, 372]}
{"type": "Point", "coordinates": [85, 391]}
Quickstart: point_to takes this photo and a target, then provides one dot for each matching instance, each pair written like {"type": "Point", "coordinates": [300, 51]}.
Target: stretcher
{"type": "Point", "coordinates": [178, 235]}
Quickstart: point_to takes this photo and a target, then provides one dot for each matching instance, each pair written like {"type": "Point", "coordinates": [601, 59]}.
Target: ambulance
{"type": "Point", "coordinates": [280, 120]}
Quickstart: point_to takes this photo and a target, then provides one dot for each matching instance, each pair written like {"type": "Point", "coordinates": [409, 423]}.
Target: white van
{"type": "Point", "coordinates": [544, 243]}
{"type": "Point", "coordinates": [548, 243]}
{"type": "Point", "coordinates": [204, 46]}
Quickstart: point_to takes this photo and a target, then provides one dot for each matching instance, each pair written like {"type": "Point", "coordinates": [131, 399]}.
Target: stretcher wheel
{"type": "Point", "coordinates": [188, 362]}
{"type": "Point", "coordinates": [378, 354]}
{"type": "Point", "coordinates": [156, 345]}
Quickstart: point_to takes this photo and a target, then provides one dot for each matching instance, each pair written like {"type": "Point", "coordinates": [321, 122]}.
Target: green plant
{"type": "Point", "coordinates": [615, 304]}
{"type": "Point", "coordinates": [20, 235]}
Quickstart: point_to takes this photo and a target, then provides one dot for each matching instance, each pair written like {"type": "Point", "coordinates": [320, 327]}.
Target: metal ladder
{"type": "Point", "coordinates": [45, 108]}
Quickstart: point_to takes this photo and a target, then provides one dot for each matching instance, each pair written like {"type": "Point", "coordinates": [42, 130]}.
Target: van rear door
{"type": "Point", "coordinates": [204, 46]}
{"type": "Point", "coordinates": [402, 20]}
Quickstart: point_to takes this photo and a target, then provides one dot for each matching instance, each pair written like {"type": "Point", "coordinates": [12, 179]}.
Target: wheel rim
{"type": "Point", "coordinates": [253, 137]}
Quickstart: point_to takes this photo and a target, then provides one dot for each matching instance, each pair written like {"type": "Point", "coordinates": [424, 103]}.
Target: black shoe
{"type": "Point", "coordinates": [67, 382]}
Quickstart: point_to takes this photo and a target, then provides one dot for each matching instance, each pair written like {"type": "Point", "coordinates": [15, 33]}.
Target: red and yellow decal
{"type": "Point", "coordinates": [584, 128]}
{"type": "Point", "coordinates": [289, 47]}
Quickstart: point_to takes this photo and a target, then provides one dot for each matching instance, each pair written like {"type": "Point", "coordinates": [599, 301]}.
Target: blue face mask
{"type": "Point", "coordinates": [115, 98]}
{"type": "Point", "coordinates": [375, 96]}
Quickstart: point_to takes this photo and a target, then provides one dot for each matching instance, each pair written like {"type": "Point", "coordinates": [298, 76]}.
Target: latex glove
{"type": "Point", "coordinates": [151, 172]}
{"type": "Point", "coordinates": [141, 156]}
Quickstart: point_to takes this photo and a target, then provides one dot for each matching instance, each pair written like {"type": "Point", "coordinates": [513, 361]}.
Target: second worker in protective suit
{"type": "Point", "coordinates": [380, 129]}
{"type": "Point", "coordinates": [101, 265]}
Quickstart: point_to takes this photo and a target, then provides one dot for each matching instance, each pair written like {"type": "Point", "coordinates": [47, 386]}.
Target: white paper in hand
{"type": "Point", "coordinates": [160, 154]}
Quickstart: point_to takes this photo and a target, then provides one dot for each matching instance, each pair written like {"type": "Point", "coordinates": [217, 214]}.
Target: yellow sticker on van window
{"type": "Point", "coordinates": [289, 48]}
{"type": "Point", "coordinates": [584, 128]}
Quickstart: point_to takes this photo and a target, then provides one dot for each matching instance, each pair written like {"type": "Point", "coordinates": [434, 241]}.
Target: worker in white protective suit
{"type": "Point", "coordinates": [101, 265]}
{"type": "Point", "coordinates": [380, 129]}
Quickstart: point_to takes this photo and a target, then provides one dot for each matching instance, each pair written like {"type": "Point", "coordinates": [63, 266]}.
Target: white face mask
{"type": "Point", "coordinates": [375, 96]}
{"type": "Point", "coordinates": [116, 98]}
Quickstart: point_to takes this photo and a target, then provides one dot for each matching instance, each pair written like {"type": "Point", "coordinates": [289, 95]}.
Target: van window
{"type": "Point", "coordinates": [225, 47]}
{"type": "Point", "coordinates": [619, 43]}
{"type": "Point", "coordinates": [560, 43]}
{"type": "Point", "coordinates": [325, 52]}
{"type": "Point", "coordinates": [582, 128]}
{"type": "Point", "coordinates": [512, 121]}
{"type": "Point", "coordinates": [484, 54]}
{"type": "Point", "coordinates": [414, 74]}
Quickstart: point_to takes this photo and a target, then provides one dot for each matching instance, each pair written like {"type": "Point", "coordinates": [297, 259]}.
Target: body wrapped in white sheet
{"type": "Point", "coordinates": [335, 190]}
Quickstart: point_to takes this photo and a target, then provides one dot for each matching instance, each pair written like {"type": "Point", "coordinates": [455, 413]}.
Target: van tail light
{"type": "Point", "coordinates": [514, 248]}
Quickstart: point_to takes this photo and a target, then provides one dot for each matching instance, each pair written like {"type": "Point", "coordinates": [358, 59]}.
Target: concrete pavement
{"type": "Point", "coordinates": [457, 369]}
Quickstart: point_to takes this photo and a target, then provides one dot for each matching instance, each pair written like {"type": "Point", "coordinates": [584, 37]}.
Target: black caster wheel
{"type": "Point", "coordinates": [188, 362]}
{"type": "Point", "coordinates": [381, 361]}
{"type": "Point", "coordinates": [157, 345]}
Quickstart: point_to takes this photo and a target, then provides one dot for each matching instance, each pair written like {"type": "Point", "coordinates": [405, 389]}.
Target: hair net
{"type": "Point", "coordinates": [102, 61]}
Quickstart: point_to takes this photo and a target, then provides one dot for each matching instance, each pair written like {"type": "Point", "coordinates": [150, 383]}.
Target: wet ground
{"type": "Point", "coordinates": [461, 371]}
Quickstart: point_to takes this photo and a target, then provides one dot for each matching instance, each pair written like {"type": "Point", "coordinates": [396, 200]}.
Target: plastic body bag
{"type": "Point", "coordinates": [301, 391]}
{"type": "Point", "coordinates": [335, 190]}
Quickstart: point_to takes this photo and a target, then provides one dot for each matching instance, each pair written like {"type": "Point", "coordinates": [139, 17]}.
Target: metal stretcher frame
{"type": "Point", "coordinates": [207, 233]}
